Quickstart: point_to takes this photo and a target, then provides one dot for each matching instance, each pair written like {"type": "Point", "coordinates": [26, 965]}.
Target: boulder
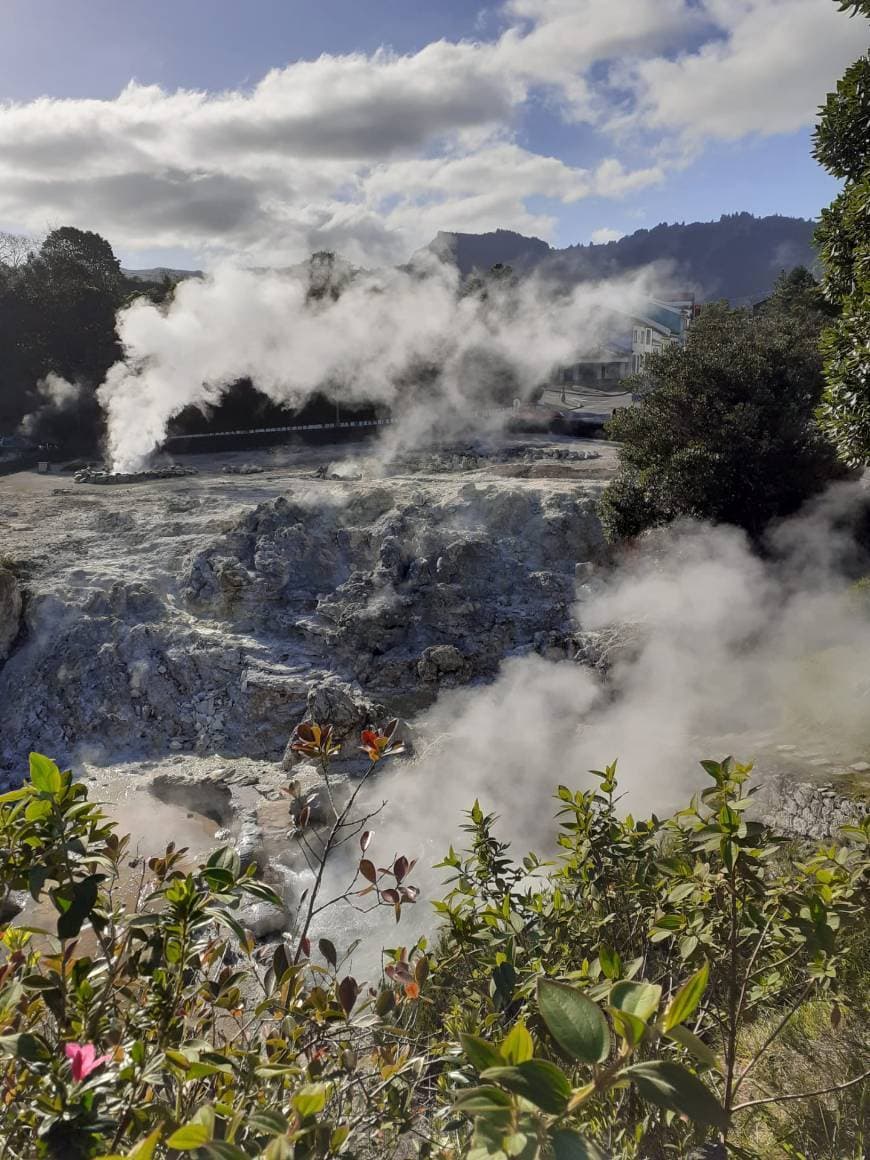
{"type": "Point", "coordinates": [264, 918]}
{"type": "Point", "coordinates": [12, 904]}
{"type": "Point", "coordinates": [10, 611]}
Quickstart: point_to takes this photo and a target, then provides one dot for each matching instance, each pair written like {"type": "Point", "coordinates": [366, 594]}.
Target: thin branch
{"type": "Point", "coordinates": [773, 1035]}
{"type": "Point", "coordinates": [837, 1087]}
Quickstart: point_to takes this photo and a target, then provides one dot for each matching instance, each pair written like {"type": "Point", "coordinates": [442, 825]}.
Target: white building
{"type": "Point", "coordinates": [662, 324]}
{"type": "Point", "coordinates": [628, 340]}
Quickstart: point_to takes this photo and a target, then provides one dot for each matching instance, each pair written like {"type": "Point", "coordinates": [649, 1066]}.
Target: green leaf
{"type": "Point", "coordinates": [311, 1099]}
{"type": "Point", "coordinates": [222, 1150]}
{"type": "Point", "coordinates": [482, 1101]}
{"type": "Point", "coordinates": [518, 1046]}
{"type": "Point", "coordinates": [83, 901]}
{"type": "Point", "coordinates": [536, 1080]}
{"type": "Point", "coordinates": [628, 1026]}
{"type": "Point", "coordinates": [144, 1150]}
{"type": "Point", "coordinates": [44, 774]}
{"type": "Point", "coordinates": [611, 963]}
{"type": "Point", "coordinates": [481, 1054]}
{"type": "Point", "coordinates": [693, 1044]}
{"type": "Point", "coordinates": [574, 1021]}
{"type": "Point", "coordinates": [32, 1048]}
{"type": "Point", "coordinates": [568, 1145]}
{"type": "Point", "coordinates": [190, 1137]}
{"type": "Point", "coordinates": [638, 999]}
{"type": "Point", "coordinates": [668, 1085]}
{"type": "Point", "coordinates": [262, 891]}
{"type": "Point", "coordinates": [686, 1000]}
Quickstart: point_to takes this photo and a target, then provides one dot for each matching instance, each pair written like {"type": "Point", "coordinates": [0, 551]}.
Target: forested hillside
{"type": "Point", "coordinates": [737, 257]}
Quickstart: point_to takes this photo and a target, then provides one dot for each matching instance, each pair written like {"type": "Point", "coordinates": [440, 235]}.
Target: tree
{"type": "Point", "coordinates": [57, 315]}
{"type": "Point", "coordinates": [15, 249]}
{"type": "Point", "coordinates": [725, 431]}
{"type": "Point", "coordinates": [842, 146]}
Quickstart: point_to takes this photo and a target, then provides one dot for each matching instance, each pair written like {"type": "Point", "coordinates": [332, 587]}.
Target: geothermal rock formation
{"type": "Point", "coordinates": [10, 611]}
{"type": "Point", "coordinates": [185, 615]}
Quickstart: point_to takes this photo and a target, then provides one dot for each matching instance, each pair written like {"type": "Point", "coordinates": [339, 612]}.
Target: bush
{"type": "Point", "coordinates": [606, 1004]}
{"type": "Point", "coordinates": [724, 430]}
{"type": "Point", "coordinates": [842, 146]}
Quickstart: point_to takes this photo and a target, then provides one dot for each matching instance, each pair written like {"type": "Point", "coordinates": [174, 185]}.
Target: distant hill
{"type": "Point", "coordinates": [158, 273]}
{"type": "Point", "coordinates": [483, 251]}
{"type": "Point", "coordinates": [738, 257]}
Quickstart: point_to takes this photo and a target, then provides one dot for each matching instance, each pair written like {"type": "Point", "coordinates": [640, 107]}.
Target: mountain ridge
{"type": "Point", "coordinates": [737, 257]}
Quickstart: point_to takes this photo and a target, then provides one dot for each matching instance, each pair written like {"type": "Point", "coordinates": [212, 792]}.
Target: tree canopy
{"type": "Point", "coordinates": [725, 430]}
{"type": "Point", "coordinates": [57, 316]}
{"type": "Point", "coordinates": [842, 146]}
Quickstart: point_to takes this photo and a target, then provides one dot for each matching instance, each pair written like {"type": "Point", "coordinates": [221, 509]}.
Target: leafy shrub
{"type": "Point", "coordinates": [842, 146]}
{"type": "Point", "coordinates": [724, 430]}
{"type": "Point", "coordinates": [620, 1001]}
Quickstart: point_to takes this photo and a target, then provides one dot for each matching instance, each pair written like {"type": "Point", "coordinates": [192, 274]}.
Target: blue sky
{"type": "Point", "coordinates": [560, 117]}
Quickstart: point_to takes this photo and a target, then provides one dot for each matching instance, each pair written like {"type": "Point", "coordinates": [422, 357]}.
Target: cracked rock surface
{"type": "Point", "coordinates": [210, 613]}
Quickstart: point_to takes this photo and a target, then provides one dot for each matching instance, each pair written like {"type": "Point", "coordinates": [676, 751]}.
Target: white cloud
{"type": "Point", "coordinates": [605, 234]}
{"type": "Point", "coordinates": [371, 154]}
{"type": "Point", "coordinates": [767, 71]}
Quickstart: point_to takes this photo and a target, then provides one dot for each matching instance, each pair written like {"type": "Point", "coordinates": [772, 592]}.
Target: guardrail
{"type": "Point", "coordinates": [283, 430]}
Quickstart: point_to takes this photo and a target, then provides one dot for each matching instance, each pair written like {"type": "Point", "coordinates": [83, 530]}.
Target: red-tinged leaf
{"type": "Point", "coordinates": [391, 896]}
{"type": "Point", "coordinates": [400, 867]}
{"type": "Point", "coordinates": [365, 840]}
{"type": "Point", "coordinates": [327, 949]}
{"type": "Point", "coordinates": [408, 893]}
{"type": "Point", "coordinates": [369, 738]}
{"type": "Point", "coordinates": [348, 992]}
{"type": "Point", "coordinates": [305, 943]}
{"type": "Point", "coordinates": [368, 871]}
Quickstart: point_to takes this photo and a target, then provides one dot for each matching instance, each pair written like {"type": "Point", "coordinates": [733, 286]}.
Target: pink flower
{"type": "Point", "coordinates": [84, 1059]}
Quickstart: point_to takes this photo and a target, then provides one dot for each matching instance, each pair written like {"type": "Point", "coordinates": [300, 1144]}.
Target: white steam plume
{"type": "Point", "coordinates": [373, 344]}
{"type": "Point", "coordinates": [57, 396]}
{"type": "Point", "coordinates": [723, 653]}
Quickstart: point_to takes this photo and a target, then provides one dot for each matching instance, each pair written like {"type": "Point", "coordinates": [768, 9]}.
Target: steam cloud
{"type": "Point", "coordinates": [721, 652]}
{"type": "Point", "coordinates": [58, 396]}
{"type": "Point", "coordinates": [375, 344]}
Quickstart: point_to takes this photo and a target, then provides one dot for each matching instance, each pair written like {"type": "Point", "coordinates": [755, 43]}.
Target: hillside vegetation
{"type": "Point", "coordinates": [737, 257]}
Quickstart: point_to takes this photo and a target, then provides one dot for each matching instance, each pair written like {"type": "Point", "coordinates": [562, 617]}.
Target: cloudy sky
{"type": "Point", "coordinates": [184, 130]}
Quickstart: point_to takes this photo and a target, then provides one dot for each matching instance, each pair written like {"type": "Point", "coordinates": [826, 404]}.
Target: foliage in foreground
{"type": "Point", "coordinates": [606, 1004]}
{"type": "Point", "coordinates": [724, 430]}
{"type": "Point", "coordinates": [842, 146]}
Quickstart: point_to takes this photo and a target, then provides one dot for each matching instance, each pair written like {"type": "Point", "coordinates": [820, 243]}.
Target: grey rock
{"type": "Point", "coordinates": [264, 918]}
{"type": "Point", "coordinates": [12, 904]}
{"type": "Point", "coordinates": [10, 611]}
{"type": "Point", "coordinates": [249, 842]}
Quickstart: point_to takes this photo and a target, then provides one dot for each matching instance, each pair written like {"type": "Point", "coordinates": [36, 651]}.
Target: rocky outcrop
{"type": "Point", "coordinates": [10, 612]}
{"type": "Point", "coordinates": [344, 604]}
{"type": "Point", "coordinates": [404, 592]}
{"type": "Point", "coordinates": [803, 809]}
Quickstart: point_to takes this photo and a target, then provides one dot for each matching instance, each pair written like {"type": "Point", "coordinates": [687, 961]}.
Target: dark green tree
{"type": "Point", "coordinates": [842, 146]}
{"type": "Point", "coordinates": [57, 315]}
{"type": "Point", "coordinates": [725, 429]}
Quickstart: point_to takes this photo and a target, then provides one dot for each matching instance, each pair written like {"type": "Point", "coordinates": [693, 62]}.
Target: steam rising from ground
{"type": "Point", "coordinates": [409, 338]}
{"type": "Point", "coordinates": [58, 396]}
{"type": "Point", "coordinates": [722, 652]}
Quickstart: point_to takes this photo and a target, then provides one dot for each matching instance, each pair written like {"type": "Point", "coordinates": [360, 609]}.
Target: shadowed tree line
{"type": "Point", "coordinates": [58, 302]}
